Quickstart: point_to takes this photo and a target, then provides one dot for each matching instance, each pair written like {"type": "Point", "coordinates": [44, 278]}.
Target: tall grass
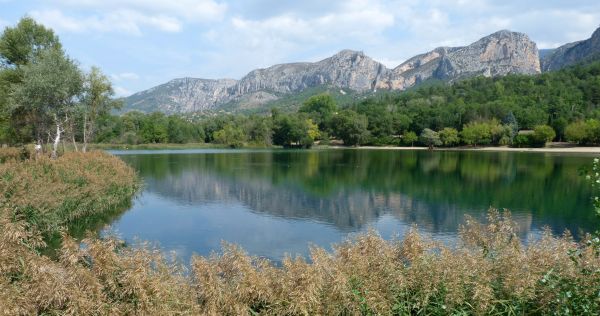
{"type": "Point", "coordinates": [52, 193]}
{"type": "Point", "coordinates": [488, 272]}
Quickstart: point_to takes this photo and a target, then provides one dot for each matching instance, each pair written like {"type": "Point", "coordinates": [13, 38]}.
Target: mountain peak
{"type": "Point", "coordinates": [573, 53]}
{"type": "Point", "coordinates": [497, 54]}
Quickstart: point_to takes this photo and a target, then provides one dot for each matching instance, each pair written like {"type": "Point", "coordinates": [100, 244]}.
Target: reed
{"type": "Point", "coordinates": [488, 272]}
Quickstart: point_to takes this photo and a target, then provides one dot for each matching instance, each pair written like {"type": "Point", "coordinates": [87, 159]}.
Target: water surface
{"type": "Point", "coordinates": [273, 202]}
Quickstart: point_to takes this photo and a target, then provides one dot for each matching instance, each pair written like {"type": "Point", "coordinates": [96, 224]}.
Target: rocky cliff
{"type": "Point", "coordinates": [573, 53]}
{"type": "Point", "coordinates": [498, 54]}
{"type": "Point", "coordinates": [182, 95]}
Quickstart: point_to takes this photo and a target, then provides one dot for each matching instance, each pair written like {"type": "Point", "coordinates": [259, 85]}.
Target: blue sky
{"type": "Point", "coordinates": [140, 44]}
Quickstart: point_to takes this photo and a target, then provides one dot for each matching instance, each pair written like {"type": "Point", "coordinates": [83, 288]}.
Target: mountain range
{"type": "Point", "coordinates": [497, 54]}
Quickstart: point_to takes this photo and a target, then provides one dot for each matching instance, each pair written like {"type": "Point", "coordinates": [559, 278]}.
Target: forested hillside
{"type": "Point", "coordinates": [561, 105]}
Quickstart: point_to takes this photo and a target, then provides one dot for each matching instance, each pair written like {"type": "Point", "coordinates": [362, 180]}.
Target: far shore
{"type": "Point", "coordinates": [551, 148]}
{"type": "Point", "coordinates": [580, 150]}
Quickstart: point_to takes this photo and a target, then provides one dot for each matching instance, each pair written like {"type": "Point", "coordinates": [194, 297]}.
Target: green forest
{"type": "Point", "coordinates": [45, 98]}
{"type": "Point", "coordinates": [516, 110]}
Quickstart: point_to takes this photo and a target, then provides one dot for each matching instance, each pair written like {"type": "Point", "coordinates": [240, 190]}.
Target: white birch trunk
{"type": "Point", "coordinates": [56, 140]}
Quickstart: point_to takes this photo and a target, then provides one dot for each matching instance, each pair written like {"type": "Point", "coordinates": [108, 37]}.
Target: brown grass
{"type": "Point", "coordinates": [489, 272]}
{"type": "Point", "coordinates": [51, 193]}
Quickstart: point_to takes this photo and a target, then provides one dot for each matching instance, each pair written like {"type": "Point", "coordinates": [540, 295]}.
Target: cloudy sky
{"type": "Point", "coordinates": [142, 43]}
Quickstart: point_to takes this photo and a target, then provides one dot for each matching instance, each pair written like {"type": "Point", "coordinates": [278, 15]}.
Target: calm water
{"type": "Point", "coordinates": [277, 202]}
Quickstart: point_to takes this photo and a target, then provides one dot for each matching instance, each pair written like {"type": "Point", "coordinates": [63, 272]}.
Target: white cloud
{"type": "Point", "coordinates": [120, 21]}
{"type": "Point", "coordinates": [128, 16]}
{"type": "Point", "coordinates": [125, 76]}
{"type": "Point", "coordinates": [191, 10]}
{"type": "Point", "coordinates": [122, 92]}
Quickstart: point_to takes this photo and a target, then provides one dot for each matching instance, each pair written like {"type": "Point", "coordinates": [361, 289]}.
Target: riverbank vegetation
{"type": "Point", "coordinates": [50, 194]}
{"type": "Point", "coordinates": [489, 272]}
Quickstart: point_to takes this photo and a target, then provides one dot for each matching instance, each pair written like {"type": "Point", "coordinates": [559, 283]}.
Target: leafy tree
{"type": "Point", "coordinates": [49, 90]}
{"type": "Point", "coordinates": [290, 130]}
{"type": "Point", "coordinates": [231, 136]}
{"type": "Point", "coordinates": [351, 127]}
{"type": "Point", "coordinates": [321, 108]}
{"type": "Point", "coordinates": [577, 132]}
{"type": "Point", "coordinates": [476, 133]}
{"type": "Point", "coordinates": [20, 45]}
{"type": "Point", "coordinates": [543, 134]}
{"type": "Point", "coordinates": [97, 100]}
{"type": "Point", "coordinates": [430, 138]}
{"type": "Point", "coordinates": [449, 136]}
{"type": "Point", "coordinates": [23, 43]}
{"type": "Point", "coordinates": [409, 138]}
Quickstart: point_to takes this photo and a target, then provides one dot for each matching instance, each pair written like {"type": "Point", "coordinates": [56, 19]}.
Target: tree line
{"type": "Point", "coordinates": [45, 97]}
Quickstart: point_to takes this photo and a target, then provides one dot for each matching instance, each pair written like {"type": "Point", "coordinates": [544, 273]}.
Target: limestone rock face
{"type": "Point", "coordinates": [346, 69]}
{"type": "Point", "coordinates": [572, 53]}
{"type": "Point", "coordinates": [498, 54]}
{"type": "Point", "coordinates": [182, 95]}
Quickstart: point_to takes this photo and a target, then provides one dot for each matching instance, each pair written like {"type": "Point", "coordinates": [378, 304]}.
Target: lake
{"type": "Point", "coordinates": [273, 202]}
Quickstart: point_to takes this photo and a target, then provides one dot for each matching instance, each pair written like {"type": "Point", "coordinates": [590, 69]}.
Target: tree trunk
{"type": "Point", "coordinates": [56, 140]}
{"type": "Point", "coordinates": [84, 149]}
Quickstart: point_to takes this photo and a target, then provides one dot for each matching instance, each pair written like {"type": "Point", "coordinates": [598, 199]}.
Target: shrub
{"type": "Point", "coordinates": [12, 154]}
{"type": "Point", "coordinates": [409, 138]}
{"type": "Point", "coordinates": [542, 134]}
{"type": "Point", "coordinates": [449, 137]}
{"type": "Point", "coordinates": [430, 138]}
{"type": "Point", "coordinates": [522, 140]}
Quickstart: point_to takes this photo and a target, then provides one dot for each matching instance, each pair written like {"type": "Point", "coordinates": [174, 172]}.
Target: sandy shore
{"type": "Point", "coordinates": [588, 150]}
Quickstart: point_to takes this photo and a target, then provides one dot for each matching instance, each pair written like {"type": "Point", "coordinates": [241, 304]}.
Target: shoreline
{"type": "Point", "coordinates": [555, 149]}
{"type": "Point", "coordinates": [575, 150]}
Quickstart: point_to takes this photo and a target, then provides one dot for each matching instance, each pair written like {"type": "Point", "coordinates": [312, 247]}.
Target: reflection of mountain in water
{"type": "Point", "coordinates": [348, 210]}
{"type": "Point", "coordinates": [351, 189]}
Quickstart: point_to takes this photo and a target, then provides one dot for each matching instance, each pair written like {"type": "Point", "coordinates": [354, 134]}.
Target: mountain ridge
{"type": "Point", "coordinates": [498, 54]}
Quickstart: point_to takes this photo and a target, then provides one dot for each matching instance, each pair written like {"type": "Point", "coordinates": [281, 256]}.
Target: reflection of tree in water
{"type": "Point", "coordinates": [352, 188]}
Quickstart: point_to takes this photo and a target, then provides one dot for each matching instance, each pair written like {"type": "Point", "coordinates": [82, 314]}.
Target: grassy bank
{"type": "Point", "coordinates": [488, 272]}
{"type": "Point", "coordinates": [53, 193]}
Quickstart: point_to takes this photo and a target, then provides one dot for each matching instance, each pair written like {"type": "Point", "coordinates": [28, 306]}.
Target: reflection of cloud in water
{"type": "Point", "coordinates": [273, 203]}
{"type": "Point", "coordinates": [347, 210]}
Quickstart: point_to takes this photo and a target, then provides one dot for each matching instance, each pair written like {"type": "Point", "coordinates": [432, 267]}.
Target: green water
{"type": "Point", "coordinates": [276, 202]}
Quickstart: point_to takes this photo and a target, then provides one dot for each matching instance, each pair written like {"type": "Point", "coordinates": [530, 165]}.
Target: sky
{"type": "Point", "coordinates": [142, 43]}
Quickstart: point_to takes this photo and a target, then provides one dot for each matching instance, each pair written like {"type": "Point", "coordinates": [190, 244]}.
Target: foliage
{"type": "Point", "coordinates": [409, 138]}
{"type": "Point", "coordinates": [584, 132]}
{"type": "Point", "coordinates": [350, 127]}
{"type": "Point", "coordinates": [476, 133]}
{"type": "Point", "coordinates": [230, 135]}
{"type": "Point", "coordinates": [430, 138]}
{"type": "Point", "coordinates": [543, 134]}
{"type": "Point", "coordinates": [321, 108]}
{"type": "Point", "coordinates": [449, 137]}
{"type": "Point", "coordinates": [294, 130]}
{"type": "Point", "coordinates": [96, 101]}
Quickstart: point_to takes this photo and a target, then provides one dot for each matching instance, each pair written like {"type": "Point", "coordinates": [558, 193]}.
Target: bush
{"type": "Point", "coordinates": [430, 138]}
{"type": "Point", "coordinates": [409, 138]}
{"type": "Point", "coordinates": [584, 132]}
{"type": "Point", "coordinates": [12, 154]}
{"type": "Point", "coordinates": [522, 141]}
{"type": "Point", "coordinates": [449, 137]}
{"type": "Point", "coordinates": [542, 134]}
